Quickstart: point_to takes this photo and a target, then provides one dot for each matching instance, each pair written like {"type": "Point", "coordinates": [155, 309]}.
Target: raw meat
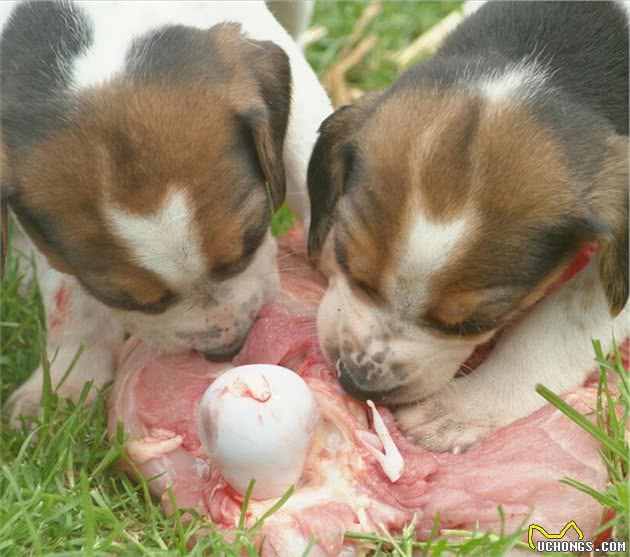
{"type": "Point", "coordinates": [344, 485]}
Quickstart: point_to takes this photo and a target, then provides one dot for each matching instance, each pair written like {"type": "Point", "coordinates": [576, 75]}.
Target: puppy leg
{"type": "Point", "coordinates": [75, 321]}
{"type": "Point", "coordinates": [551, 346]}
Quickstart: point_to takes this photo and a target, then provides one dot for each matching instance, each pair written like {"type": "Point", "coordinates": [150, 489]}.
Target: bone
{"type": "Point", "coordinates": [391, 461]}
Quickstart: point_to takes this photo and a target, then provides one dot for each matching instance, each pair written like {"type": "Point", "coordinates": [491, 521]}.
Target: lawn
{"type": "Point", "coordinates": [61, 489]}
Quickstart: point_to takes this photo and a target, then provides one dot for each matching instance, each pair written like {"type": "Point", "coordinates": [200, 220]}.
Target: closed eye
{"type": "Point", "coordinates": [471, 326]}
{"type": "Point", "coordinates": [364, 287]}
{"type": "Point", "coordinates": [127, 303]}
{"type": "Point", "coordinates": [251, 242]}
{"type": "Point", "coordinates": [224, 271]}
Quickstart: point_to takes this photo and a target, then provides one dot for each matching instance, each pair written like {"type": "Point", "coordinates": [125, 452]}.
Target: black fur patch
{"type": "Point", "coordinates": [331, 164]}
{"type": "Point", "coordinates": [176, 53]}
{"type": "Point", "coordinates": [38, 46]}
{"type": "Point", "coordinates": [583, 45]}
{"type": "Point", "coordinates": [46, 227]}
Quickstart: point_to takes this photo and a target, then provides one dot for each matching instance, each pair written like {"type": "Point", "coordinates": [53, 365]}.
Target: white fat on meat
{"type": "Point", "coordinates": [256, 422]}
{"type": "Point", "coordinates": [156, 445]}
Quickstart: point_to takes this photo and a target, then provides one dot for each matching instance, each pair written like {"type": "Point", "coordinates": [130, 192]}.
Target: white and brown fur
{"type": "Point", "coordinates": [145, 146]}
{"type": "Point", "coordinates": [445, 207]}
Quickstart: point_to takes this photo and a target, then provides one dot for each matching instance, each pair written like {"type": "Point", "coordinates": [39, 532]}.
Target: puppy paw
{"type": "Point", "coordinates": [444, 422]}
{"type": "Point", "coordinates": [95, 366]}
{"type": "Point", "coordinates": [24, 401]}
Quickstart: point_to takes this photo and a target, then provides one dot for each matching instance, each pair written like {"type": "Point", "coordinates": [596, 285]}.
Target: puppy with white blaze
{"type": "Point", "coordinates": [446, 208]}
{"type": "Point", "coordinates": [145, 146]}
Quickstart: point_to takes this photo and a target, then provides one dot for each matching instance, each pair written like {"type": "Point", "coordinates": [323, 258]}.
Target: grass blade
{"type": "Point", "coordinates": [272, 510]}
{"type": "Point", "coordinates": [580, 420]}
{"type": "Point", "coordinates": [243, 515]}
{"type": "Point", "coordinates": [88, 511]}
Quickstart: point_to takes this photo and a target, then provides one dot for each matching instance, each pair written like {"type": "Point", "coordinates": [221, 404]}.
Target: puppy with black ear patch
{"type": "Point", "coordinates": [446, 207]}
{"type": "Point", "coordinates": [145, 146]}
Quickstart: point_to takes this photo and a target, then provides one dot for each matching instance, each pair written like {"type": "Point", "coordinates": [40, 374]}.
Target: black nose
{"type": "Point", "coordinates": [224, 353]}
{"type": "Point", "coordinates": [353, 380]}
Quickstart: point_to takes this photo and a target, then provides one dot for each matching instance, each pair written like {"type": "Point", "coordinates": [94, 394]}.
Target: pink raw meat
{"type": "Point", "coordinates": [343, 486]}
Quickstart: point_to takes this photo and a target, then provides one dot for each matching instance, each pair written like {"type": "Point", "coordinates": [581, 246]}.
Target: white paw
{"type": "Point", "coordinates": [446, 421]}
{"type": "Point", "coordinates": [24, 401]}
{"type": "Point", "coordinates": [95, 365]}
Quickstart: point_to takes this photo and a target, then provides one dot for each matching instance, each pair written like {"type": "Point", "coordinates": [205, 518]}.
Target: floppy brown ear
{"type": "Point", "coordinates": [329, 167]}
{"type": "Point", "coordinates": [611, 202]}
{"type": "Point", "coordinates": [268, 120]}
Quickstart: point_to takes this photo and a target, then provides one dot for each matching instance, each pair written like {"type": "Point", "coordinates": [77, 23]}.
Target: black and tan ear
{"type": "Point", "coordinates": [330, 165]}
{"type": "Point", "coordinates": [268, 119]}
{"type": "Point", "coordinates": [611, 205]}
{"type": "Point", "coordinates": [6, 191]}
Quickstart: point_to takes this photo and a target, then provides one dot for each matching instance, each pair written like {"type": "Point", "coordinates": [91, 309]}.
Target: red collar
{"type": "Point", "coordinates": [580, 261]}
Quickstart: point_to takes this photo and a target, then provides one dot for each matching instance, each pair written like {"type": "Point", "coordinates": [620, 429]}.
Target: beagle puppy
{"type": "Point", "coordinates": [445, 207]}
{"type": "Point", "coordinates": [145, 146]}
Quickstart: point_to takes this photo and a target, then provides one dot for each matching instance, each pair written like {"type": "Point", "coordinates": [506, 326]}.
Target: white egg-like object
{"type": "Point", "coordinates": [256, 422]}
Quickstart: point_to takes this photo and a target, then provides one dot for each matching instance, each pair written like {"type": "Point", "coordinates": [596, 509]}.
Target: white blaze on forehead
{"type": "Point", "coordinates": [165, 242]}
{"type": "Point", "coordinates": [520, 80]}
{"type": "Point", "coordinates": [430, 243]}
{"type": "Point", "coordinates": [426, 249]}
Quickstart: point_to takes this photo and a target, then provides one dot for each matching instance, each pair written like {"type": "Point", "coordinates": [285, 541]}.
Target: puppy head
{"type": "Point", "coordinates": [442, 214]}
{"type": "Point", "coordinates": [156, 190]}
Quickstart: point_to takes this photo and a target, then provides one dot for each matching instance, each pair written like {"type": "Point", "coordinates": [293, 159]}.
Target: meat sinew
{"type": "Point", "coordinates": [360, 473]}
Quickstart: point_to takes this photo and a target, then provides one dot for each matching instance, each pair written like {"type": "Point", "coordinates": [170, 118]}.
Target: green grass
{"type": "Point", "coordinates": [610, 428]}
{"type": "Point", "coordinates": [62, 490]}
{"type": "Point", "coordinates": [282, 220]}
{"type": "Point", "coordinates": [396, 26]}
{"type": "Point", "coordinates": [20, 332]}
